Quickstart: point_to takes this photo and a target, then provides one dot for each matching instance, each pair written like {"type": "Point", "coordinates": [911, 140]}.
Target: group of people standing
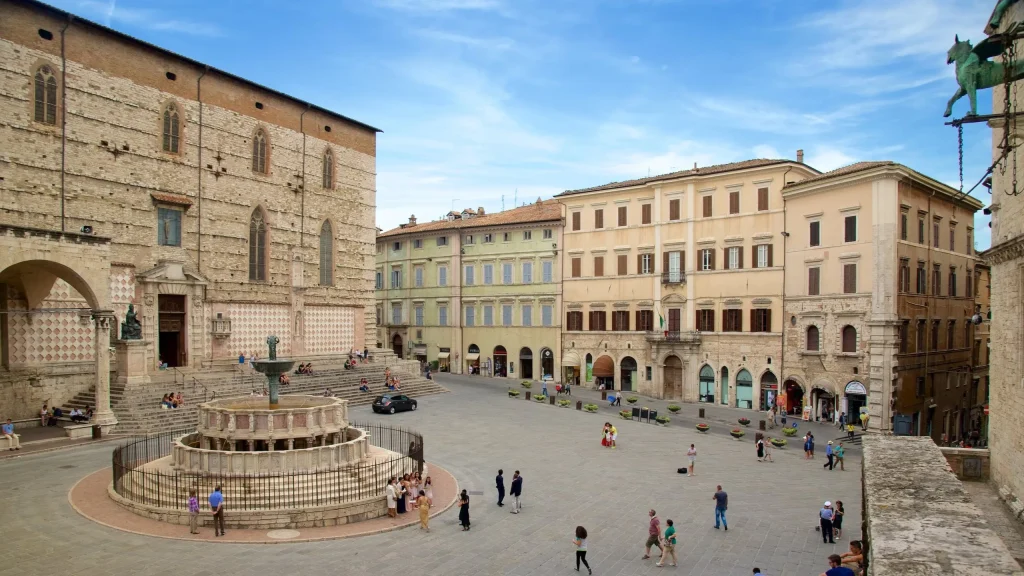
{"type": "Point", "coordinates": [516, 491]}
{"type": "Point", "coordinates": [609, 435]}
{"type": "Point", "coordinates": [409, 492]}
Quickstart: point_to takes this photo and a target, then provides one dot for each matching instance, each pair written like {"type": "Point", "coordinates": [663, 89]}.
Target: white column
{"type": "Point", "coordinates": [103, 415]}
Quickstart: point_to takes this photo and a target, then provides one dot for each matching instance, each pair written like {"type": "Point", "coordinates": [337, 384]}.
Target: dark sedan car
{"type": "Point", "coordinates": [393, 403]}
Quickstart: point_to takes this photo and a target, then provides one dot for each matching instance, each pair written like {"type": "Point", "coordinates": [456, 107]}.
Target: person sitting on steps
{"type": "Point", "coordinates": [363, 387]}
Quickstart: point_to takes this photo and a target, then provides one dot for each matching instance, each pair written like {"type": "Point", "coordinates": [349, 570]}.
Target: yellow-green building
{"type": "Point", "coordinates": [477, 293]}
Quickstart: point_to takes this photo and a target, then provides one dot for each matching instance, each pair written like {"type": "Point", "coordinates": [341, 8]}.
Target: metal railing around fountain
{"type": "Point", "coordinates": [169, 488]}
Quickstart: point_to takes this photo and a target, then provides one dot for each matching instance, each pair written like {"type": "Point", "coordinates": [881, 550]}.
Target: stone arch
{"type": "Point", "coordinates": [36, 278]}
{"type": "Point", "coordinates": [673, 377]}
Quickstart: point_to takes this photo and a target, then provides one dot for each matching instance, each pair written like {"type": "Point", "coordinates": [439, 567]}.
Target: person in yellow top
{"type": "Point", "coordinates": [864, 421]}
{"type": "Point", "coordinates": [423, 503]}
{"type": "Point", "coordinates": [614, 434]}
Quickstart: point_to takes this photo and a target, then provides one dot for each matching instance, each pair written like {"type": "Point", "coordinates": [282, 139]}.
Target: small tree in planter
{"type": "Point", "coordinates": [540, 398]}
{"type": "Point", "coordinates": [744, 421]}
{"type": "Point", "coordinates": [513, 393]}
{"type": "Point", "coordinates": [789, 431]}
{"type": "Point", "coordinates": [590, 408]}
{"type": "Point", "coordinates": [564, 403]}
{"type": "Point", "coordinates": [632, 399]}
{"type": "Point", "coordinates": [703, 428]}
{"type": "Point", "coordinates": [527, 384]}
{"type": "Point", "coordinates": [779, 442]}
{"type": "Point", "coordinates": [673, 408]}
{"type": "Point", "coordinates": [737, 433]}
{"type": "Point", "coordinates": [626, 414]}
{"type": "Point", "coordinates": [663, 420]}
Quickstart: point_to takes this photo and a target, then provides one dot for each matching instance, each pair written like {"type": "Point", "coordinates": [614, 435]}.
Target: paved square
{"type": "Point", "coordinates": [569, 479]}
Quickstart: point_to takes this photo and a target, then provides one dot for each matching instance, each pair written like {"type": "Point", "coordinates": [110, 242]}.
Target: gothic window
{"type": "Point", "coordinates": [326, 255]}
{"type": "Point", "coordinates": [259, 152]}
{"type": "Point", "coordinates": [45, 96]}
{"type": "Point", "coordinates": [257, 247]}
{"type": "Point", "coordinates": [172, 129]}
{"type": "Point", "coordinates": [328, 169]}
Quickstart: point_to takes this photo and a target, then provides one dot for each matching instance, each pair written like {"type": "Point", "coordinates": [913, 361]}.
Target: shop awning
{"type": "Point", "coordinates": [472, 357]}
{"type": "Point", "coordinates": [419, 350]}
{"type": "Point", "coordinates": [443, 355]}
{"type": "Point", "coordinates": [571, 359]}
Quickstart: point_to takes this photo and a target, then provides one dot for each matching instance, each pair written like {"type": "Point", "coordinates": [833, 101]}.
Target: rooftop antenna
{"type": "Point", "coordinates": [502, 202]}
{"type": "Point", "coordinates": [515, 199]}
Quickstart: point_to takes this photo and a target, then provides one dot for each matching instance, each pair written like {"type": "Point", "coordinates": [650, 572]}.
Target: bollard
{"type": "Point", "coordinates": [701, 413]}
{"type": "Point", "coordinates": [527, 394]}
{"type": "Point", "coordinates": [604, 395]}
{"type": "Point", "coordinates": [579, 405]}
{"type": "Point", "coordinates": [764, 425]}
{"type": "Point", "coordinates": [551, 400]}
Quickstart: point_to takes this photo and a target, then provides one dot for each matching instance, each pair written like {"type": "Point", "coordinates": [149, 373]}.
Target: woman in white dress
{"type": "Point", "coordinates": [414, 490]}
{"type": "Point", "coordinates": [428, 487]}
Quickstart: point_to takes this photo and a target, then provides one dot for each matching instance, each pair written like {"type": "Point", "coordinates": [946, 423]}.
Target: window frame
{"type": "Point", "coordinates": [46, 95]}
{"type": "Point", "coordinates": [846, 229]}
{"type": "Point", "coordinates": [160, 211]}
{"type": "Point", "coordinates": [848, 339]}
{"type": "Point", "coordinates": [171, 129]}
{"type": "Point", "coordinates": [814, 234]}
{"type": "Point", "coordinates": [328, 169]}
{"type": "Point", "coordinates": [327, 260]}
{"type": "Point", "coordinates": [261, 152]}
{"type": "Point", "coordinates": [259, 246]}
{"type": "Point", "coordinates": [814, 338]}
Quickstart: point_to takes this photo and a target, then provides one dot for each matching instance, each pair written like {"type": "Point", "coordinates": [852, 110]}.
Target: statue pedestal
{"type": "Point", "coordinates": [131, 363]}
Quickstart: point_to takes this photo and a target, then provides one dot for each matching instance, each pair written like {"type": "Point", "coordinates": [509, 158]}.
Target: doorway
{"type": "Point", "coordinates": [500, 361]}
{"type": "Point", "coordinates": [769, 389]}
{"type": "Point", "coordinates": [171, 343]}
{"type": "Point", "coordinates": [526, 363]}
{"type": "Point", "coordinates": [744, 390]}
{"type": "Point", "coordinates": [673, 378]}
{"type": "Point", "coordinates": [547, 364]}
{"type": "Point", "coordinates": [627, 373]}
{"type": "Point", "coordinates": [794, 400]}
{"type": "Point", "coordinates": [604, 371]}
{"type": "Point", "coordinates": [396, 344]}
{"type": "Point", "coordinates": [707, 384]}
{"type": "Point", "coordinates": [725, 386]}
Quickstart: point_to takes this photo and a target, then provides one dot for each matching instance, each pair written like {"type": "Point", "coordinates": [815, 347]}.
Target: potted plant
{"type": "Point", "coordinates": [673, 408]}
{"type": "Point", "coordinates": [513, 393]}
{"type": "Point", "coordinates": [737, 433]}
{"type": "Point", "coordinates": [703, 428]}
{"type": "Point", "coordinates": [626, 414]}
{"type": "Point", "coordinates": [540, 398]}
{"type": "Point", "coordinates": [663, 420]}
{"type": "Point", "coordinates": [789, 431]}
{"type": "Point", "coordinates": [779, 442]}
{"type": "Point", "coordinates": [564, 403]}
{"type": "Point", "coordinates": [744, 421]}
{"type": "Point", "coordinates": [632, 399]}
{"type": "Point", "coordinates": [590, 408]}
{"type": "Point", "coordinates": [527, 384]}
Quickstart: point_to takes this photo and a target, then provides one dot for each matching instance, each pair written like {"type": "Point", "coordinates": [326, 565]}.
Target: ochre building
{"type": "Point", "coordinates": [224, 211]}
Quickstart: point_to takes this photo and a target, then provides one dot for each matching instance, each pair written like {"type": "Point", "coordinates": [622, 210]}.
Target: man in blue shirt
{"type": "Point", "coordinates": [217, 507]}
{"type": "Point", "coordinates": [500, 482]}
{"type": "Point", "coordinates": [721, 505]}
{"type": "Point", "coordinates": [836, 567]}
{"type": "Point", "coordinates": [826, 516]}
{"type": "Point", "coordinates": [830, 464]}
{"type": "Point", "coordinates": [12, 438]}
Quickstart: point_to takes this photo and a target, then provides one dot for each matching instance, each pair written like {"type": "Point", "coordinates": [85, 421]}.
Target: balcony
{"type": "Point", "coordinates": [674, 336]}
{"type": "Point", "coordinates": [673, 278]}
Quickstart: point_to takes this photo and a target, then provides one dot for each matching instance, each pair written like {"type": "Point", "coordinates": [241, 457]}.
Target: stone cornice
{"type": "Point", "coordinates": [1003, 252]}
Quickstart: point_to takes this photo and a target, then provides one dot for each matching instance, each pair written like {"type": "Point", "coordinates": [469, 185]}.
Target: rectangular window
{"type": "Point", "coordinates": [527, 314]}
{"type": "Point", "coordinates": [645, 263]}
{"type": "Point", "coordinates": [904, 275]}
{"type": "Point", "coordinates": [417, 244]}
{"type": "Point", "coordinates": [850, 229]}
{"type": "Point", "coordinates": [920, 230]}
{"type": "Point", "coordinates": [419, 315]}
{"type": "Point", "coordinates": [469, 275]}
{"type": "Point", "coordinates": [904, 336]}
{"type": "Point", "coordinates": [813, 281]}
{"type": "Point", "coordinates": [379, 280]}
{"type": "Point", "coordinates": [546, 314]}
{"type": "Point", "coordinates": [599, 218]}
{"type": "Point", "coordinates": [645, 320]}
{"type": "Point", "coordinates": [575, 221]}
{"type": "Point", "coordinates": [470, 316]}
{"type": "Point", "coordinates": [169, 226]}
{"type": "Point", "coordinates": [674, 320]}
{"type": "Point", "coordinates": [673, 209]}
{"type": "Point", "coordinates": [546, 270]}
{"type": "Point", "coordinates": [527, 272]}
{"type": "Point", "coordinates": [396, 246]}
{"type": "Point", "coordinates": [442, 275]}
{"type": "Point", "coordinates": [488, 274]}
{"type": "Point", "coordinates": [442, 240]}
{"type": "Point", "coordinates": [920, 386]}
{"type": "Point", "coordinates": [935, 335]}
{"type": "Point", "coordinates": [506, 273]}
{"type": "Point", "coordinates": [952, 282]}
{"type": "Point", "coordinates": [396, 313]}
{"type": "Point", "coordinates": [527, 234]}
{"type": "Point", "coordinates": [488, 238]}
{"type": "Point", "coordinates": [488, 315]}
{"type": "Point", "coordinates": [922, 334]}
{"type": "Point", "coordinates": [675, 267]}
{"type": "Point", "coordinates": [706, 205]}
{"type": "Point", "coordinates": [763, 256]}
{"type": "Point", "coordinates": [935, 235]}
{"type": "Point", "coordinates": [396, 278]}
{"type": "Point", "coordinates": [952, 239]}
{"type": "Point", "coordinates": [849, 278]}
{"type": "Point", "coordinates": [937, 281]}
{"type": "Point", "coordinates": [761, 320]}
{"type": "Point", "coordinates": [597, 323]}
{"type": "Point", "coordinates": [645, 213]}
{"type": "Point", "coordinates": [547, 233]}
{"type": "Point", "coordinates": [598, 266]}
{"type": "Point", "coordinates": [903, 225]}
{"type": "Point", "coordinates": [734, 258]}
{"type": "Point", "coordinates": [734, 202]}
{"type": "Point", "coordinates": [442, 315]}
{"type": "Point", "coordinates": [418, 274]}
{"type": "Point", "coordinates": [762, 199]}
{"type": "Point", "coordinates": [506, 315]}
{"type": "Point", "coordinates": [732, 320]}
{"type": "Point", "coordinates": [921, 280]}
{"type": "Point", "coordinates": [379, 316]}
{"type": "Point", "coordinates": [623, 267]}
{"type": "Point", "coordinates": [705, 320]}
{"type": "Point", "coordinates": [468, 239]}
{"type": "Point", "coordinates": [623, 219]}
{"type": "Point", "coordinates": [577, 267]}
{"type": "Point", "coordinates": [620, 321]}
{"type": "Point", "coordinates": [505, 237]}
{"type": "Point", "coordinates": [951, 335]}
{"type": "Point", "coordinates": [707, 259]}
{"type": "Point", "coordinates": [574, 320]}
{"type": "Point", "coordinates": [815, 239]}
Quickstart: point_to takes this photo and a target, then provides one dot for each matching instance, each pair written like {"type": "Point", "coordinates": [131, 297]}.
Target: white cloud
{"type": "Point", "coordinates": [676, 156]}
{"type": "Point", "coordinates": [110, 13]}
{"type": "Point", "coordinates": [826, 158]}
{"type": "Point", "coordinates": [475, 42]}
{"type": "Point", "coordinates": [769, 117]}
{"type": "Point", "coordinates": [765, 151]}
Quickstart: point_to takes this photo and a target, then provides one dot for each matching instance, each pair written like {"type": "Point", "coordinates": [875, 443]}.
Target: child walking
{"type": "Point", "coordinates": [193, 512]}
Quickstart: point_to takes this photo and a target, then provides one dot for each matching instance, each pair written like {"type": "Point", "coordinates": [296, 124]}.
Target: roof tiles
{"type": "Point", "coordinates": [547, 211]}
{"type": "Point", "coordinates": [701, 171]}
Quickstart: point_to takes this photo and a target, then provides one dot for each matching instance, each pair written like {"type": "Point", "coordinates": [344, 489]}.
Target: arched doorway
{"type": "Point", "coordinates": [604, 372]}
{"type": "Point", "coordinates": [823, 405]}
{"type": "Point", "coordinates": [396, 344]}
{"type": "Point", "coordinates": [547, 364]}
{"type": "Point", "coordinates": [769, 389]}
{"type": "Point", "coordinates": [707, 384]}
{"type": "Point", "coordinates": [627, 373]}
{"type": "Point", "coordinates": [588, 369]}
{"type": "Point", "coordinates": [856, 400]}
{"type": "Point", "coordinates": [793, 402]}
{"type": "Point", "coordinates": [526, 363]}
{"type": "Point", "coordinates": [725, 386]}
{"type": "Point", "coordinates": [673, 378]}
{"type": "Point", "coordinates": [744, 389]}
{"type": "Point", "coordinates": [473, 359]}
{"type": "Point", "coordinates": [500, 361]}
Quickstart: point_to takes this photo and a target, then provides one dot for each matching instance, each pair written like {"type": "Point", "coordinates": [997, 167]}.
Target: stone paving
{"type": "Point", "coordinates": [569, 479]}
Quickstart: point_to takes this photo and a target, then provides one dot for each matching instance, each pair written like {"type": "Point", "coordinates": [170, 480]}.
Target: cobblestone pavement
{"type": "Point", "coordinates": [569, 479]}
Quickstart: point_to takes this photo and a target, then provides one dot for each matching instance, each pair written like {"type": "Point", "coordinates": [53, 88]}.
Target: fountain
{"type": "Point", "coordinates": [273, 368]}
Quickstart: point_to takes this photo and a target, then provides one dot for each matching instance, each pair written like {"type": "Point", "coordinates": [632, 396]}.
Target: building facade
{"type": "Point", "coordinates": [476, 293]}
{"type": "Point", "coordinates": [223, 211]}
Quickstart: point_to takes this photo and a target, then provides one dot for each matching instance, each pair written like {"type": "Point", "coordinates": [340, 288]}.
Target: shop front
{"type": "Point", "coordinates": [707, 384]}
{"type": "Point", "coordinates": [473, 359]}
{"type": "Point", "coordinates": [793, 402]}
{"type": "Point", "coordinates": [571, 369]}
{"type": "Point", "coordinates": [823, 405]}
{"type": "Point", "coordinates": [444, 358]}
{"type": "Point", "coordinates": [500, 361]}
{"type": "Point", "coordinates": [769, 389]}
{"type": "Point", "coordinates": [855, 400]}
{"type": "Point", "coordinates": [604, 372]}
{"type": "Point", "coordinates": [547, 364]}
{"type": "Point", "coordinates": [744, 390]}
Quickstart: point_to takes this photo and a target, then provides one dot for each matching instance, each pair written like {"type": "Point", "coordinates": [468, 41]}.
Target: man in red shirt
{"type": "Point", "coordinates": [653, 535]}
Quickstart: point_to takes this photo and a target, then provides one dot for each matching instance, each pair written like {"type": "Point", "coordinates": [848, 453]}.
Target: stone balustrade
{"type": "Point", "coordinates": [186, 456]}
{"type": "Point", "coordinates": [224, 422]}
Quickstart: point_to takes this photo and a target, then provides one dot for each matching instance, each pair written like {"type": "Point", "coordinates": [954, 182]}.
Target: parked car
{"type": "Point", "coordinates": [393, 403]}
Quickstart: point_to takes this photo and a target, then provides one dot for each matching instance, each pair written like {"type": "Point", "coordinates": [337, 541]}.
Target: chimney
{"type": "Point", "coordinates": [412, 220]}
{"type": "Point", "coordinates": [480, 211]}
{"type": "Point", "coordinates": [800, 155]}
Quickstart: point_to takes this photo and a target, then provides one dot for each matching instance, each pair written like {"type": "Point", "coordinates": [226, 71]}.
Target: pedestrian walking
{"type": "Point", "coordinates": [849, 431]}
{"type": "Point", "coordinates": [837, 519]}
{"type": "Point", "coordinates": [580, 542]}
{"type": "Point", "coordinates": [760, 448]}
{"type": "Point", "coordinates": [721, 505]}
{"type": "Point", "coordinates": [217, 508]}
{"type": "Point", "coordinates": [392, 497]}
{"type": "Point", "coordinates": [499, 481]}
{"type": "Point", "coordinates": [423, 503]}
{"type": "Point", "coordinates": [768, 450]}
{"type": "Point", "coordinates": [842, 420]}
{"type": "Point", "coordinates": [840, 455]}
{"type": "Point", "coordinates": [668, 544]}
{"type": "Point", "coordinates": [692, 455]}
{"type": "Point", "coordinates": [825, 516]}
{"type": "Point", "coordinates": [193, 512]}
{"type": "Point", "coordinates": [836, 567]}
{"type": "Point", "coordinates": [517, 492]}
{"type": "Point", "coordinates": [829, 454]}
{"type": "Point", "coordinates": [653, 535]}
{"type": "Point", "coordinates": [464, 510]}
{"type": "Point", "coordinates": [783, 418]}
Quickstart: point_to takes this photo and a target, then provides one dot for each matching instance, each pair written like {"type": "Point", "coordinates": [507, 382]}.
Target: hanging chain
{"type": "Point", "coordinates": [960, 152]}
{"type": "Point", "coordinates": [1011, 128]}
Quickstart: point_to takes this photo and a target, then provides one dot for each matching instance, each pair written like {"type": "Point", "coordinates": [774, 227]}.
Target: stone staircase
{"type": "Point", "coordinates": [139, 411]}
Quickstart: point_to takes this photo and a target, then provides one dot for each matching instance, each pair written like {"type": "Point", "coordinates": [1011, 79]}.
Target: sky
{"type": "Point", "coordinates": [497, 102]}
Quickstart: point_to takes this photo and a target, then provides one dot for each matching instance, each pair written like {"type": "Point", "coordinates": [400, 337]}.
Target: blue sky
{"type": "Point", "coordinates": [480, 99]}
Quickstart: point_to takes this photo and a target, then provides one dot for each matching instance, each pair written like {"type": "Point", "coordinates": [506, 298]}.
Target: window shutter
{"type": "Point", "coordinates": [673, 209]}
{"type": "Point", "coordinates": [770, 263]}
{"type": "Point", "coordinates": [599, 266]}
{"type": "Point", "coordinates": [622, 216]}
{"type": "Point", "coordinates": [740, 250]}
{"type": "Point", "coordinates": [599, 218]}
{"type": "Point", "coordinates": [682, 261]}
{"type": "Point", "coordinates": [639, 263]}
{"type": "Point", "coordinates": [734, 202]}
{"type": "Point", "coordinates": [762, 199]}
{"type": "Point", "coordinates": [850, 278]}
{"type": "Point", "coordinates": [575, 220]}
{"type": "Point", "coordinates": [645, 214]}
{"type": "Point", "coordinates": [664, 262]}
{"type": "Point", "coordinates": [712, 251]}
{"type": "Point", "coordinates": [753, 317]}
{"type": "Point", "coordinates": [707, 206]}
{"type": "Point", "coordinates": [622, 265]}
{"type": "Point", "coordinates": [576, 267]}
